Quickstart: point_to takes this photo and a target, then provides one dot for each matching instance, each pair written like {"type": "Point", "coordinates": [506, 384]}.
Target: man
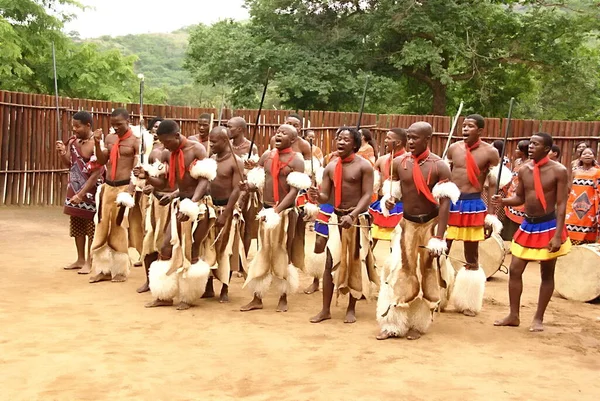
{"type": "Point", "coordinates": [249, 202]}
{"type": "Point", "coordinates": [110, 260]}
{"type": "Point", "coordinates": [554, 154]}
{"type": "Point", "coordinates": [223, 247]}
{"type": "Point", "coordinates": [204, 127]}
{"type": "Point", "coordinates": [515, 215]}
{"type": "Point", "coordinates": [300, 145]}
{"type": "Point", "coordinates": [543, 189]}
{"type": "Point", "coordinates": [471, 161]}
{"type": "Point", "coordinates": [427, 194]}
{"type": "Point", "coordinates": [84, 177]}
{"type": "Point", "coordinates": [177, 273]}
{"type": "Point", "coordinates": [347, 185]}
{"type": "Point", "coordinates": [309, 135]}
{"type": "Point", "coordinates": [384, 221]}
{"type": "Point", "coordinates": [279, 174]}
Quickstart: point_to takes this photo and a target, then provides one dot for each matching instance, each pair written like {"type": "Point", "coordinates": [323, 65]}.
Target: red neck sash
{"type": "Point", "coordinates": [472, 168]}
{"type": "Point", "coordinates": [537, 181]}
{"type": "Point", "coordinates": [420, 183]}
{"type": "Point", "coordinates": [337, 178]}
{"type": "Point", "coordinates": [177, 163]}
{"type": "Point", "coordinates": [115, 154]}
{"type": "Point", "coordinates": [276, 168]}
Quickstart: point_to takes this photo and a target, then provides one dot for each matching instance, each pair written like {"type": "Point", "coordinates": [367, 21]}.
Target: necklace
{"type": "Point", "coordinates": [223, 158]}
{"type": "Point", "coordinates": [238, 147]}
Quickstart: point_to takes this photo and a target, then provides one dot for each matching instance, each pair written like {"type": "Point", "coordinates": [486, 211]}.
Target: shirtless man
{"type": "Point", "coordinates": [221, 253]}
{"type": "Point", "coordinates": [347, 188]}
{"type": "Point", "coordinates": [543, 188]}
{"type": "Point", "coordinates": [471, 162]}
{"type": "Point", "coordinates": [300, 145]}
{"type": "Point", "coordinates": [203, 130]}
{"type": "Point", "coordinates": [110, 260]}
{"type": "Point", "coordinates": [384, 221]}
{"type": "Point", "coordinates": [280, 173]}
{"type": "Point", "coordinates": [427, 194]}
{"type": "Point", "coordinates": [176, 273]}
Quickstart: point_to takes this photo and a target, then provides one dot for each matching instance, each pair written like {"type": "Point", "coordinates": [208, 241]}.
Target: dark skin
{"type": "Point", "coordinates": [284, 138]}
{"type": "Point", "coordinates": [554, 179]}
{"type": "Point", "coordinates": [85, 147]}
{"type": "Point", "coordinates": [357, 187]}
{"type": "Point", "coordinates": [203, 130]}
{"type": "Point", "coordinates": [188, 187]}
{"type": "Point", "coordinates": [300, 145]}
{"type": "Point", "coordinates": [224, 186]}
{"type": "Point", "coordinates": [418, 136]}
{"type": "Point", "coordinates": [486, 157]}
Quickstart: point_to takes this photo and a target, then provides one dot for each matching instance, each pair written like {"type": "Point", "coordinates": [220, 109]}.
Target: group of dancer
{"type": "Point", "coordinates": [191, 207]}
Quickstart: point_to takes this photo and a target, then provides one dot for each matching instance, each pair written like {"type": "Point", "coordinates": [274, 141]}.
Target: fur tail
{"type": "Point", "coordinates": [290, 284]}
{"type": "Point", "coordinates": [162, 287]}
{"type": "Point", "coordinates": [469, 286]}
{"type": "Point", "coordinates": [420, 315]}
{"type": "Point", "coordinates": [192, 282]}
{"type": "Point", "coordinates": [315, 264]}
{"type": "Point", "coordinates": [395, 320]}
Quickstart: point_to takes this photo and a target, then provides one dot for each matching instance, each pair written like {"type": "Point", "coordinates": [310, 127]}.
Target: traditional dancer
{"type": "Point", "coordinates": [384, 221]}
{"type": "Point", "coordinates": [471, 161]}
{"type": "Point", "coordinates": [347, 185]}
{"type": "Point", "coordinates": [543, 188]}
{"type": "Point", "coordinates": [110, 260]}
{"type": "Point", "coordinates": [85, 175]}
{"type": "Point", "coordinates": [417, 241]}
{"type": "Point", "coordinates": [223, 248]}
{"type": "Point", "coordinates": [176, 273]}
{"type": "Point", "coordinates": [281, 173]}
{"type": "Point", "coordinates": [516, 214]}
{"type": "Point", "coordinates": [204, 127]}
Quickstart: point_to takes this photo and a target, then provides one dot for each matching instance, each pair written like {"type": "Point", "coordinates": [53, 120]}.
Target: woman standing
{"type": "Point", "coordinates": [578, 150]}
{"type": "Point", "coordinates": [582, 205]}
{"type": "Point", "coordinates": [368, 146]}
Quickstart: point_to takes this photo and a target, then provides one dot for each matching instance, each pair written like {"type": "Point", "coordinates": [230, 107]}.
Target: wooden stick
{"type": "Point", "coordinates": [262, 100]}
{"type": "Point", "coordinates": [460, 107]}
{"type": "Point", "coordinates": [510, 108]}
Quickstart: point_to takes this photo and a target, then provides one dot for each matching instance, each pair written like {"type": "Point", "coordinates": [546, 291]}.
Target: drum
{"type": "Point", "coordinates": [491, 254]}
{"type": "Point", "coordinates": [577, 274]}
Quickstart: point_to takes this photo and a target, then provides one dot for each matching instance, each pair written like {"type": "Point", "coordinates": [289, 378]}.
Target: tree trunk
{"type": "Point", "coordinates": [439, 98]}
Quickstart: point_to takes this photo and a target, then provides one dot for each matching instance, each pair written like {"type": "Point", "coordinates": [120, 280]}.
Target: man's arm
{"type": "Point", "coordinates": [519, 197]}
{"type": "Point", "coordinates": [494, 160]}
{"type": "Point", "coordinates": [562, 193]}
{"type": "Point", "coordinates": [203, 183]}
{"type": "Point", "coordinates": [326, 185]}
{"type": "Point", "coordinates": [90, 182]}
{"type": "Point", "coordinates": [367, 191]}
{"type": "Point", "coordinates": [305, 147]}
{"type": "Point", "coordinates": [444, 210]}
{"type": "Point", "coordinates": [235, 180]}
{"type": "Point", "coordinates": [102, 155]}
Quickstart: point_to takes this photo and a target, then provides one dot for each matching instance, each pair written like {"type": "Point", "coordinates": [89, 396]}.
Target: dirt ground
{"type": "Point", "coordinates": [65, 339]}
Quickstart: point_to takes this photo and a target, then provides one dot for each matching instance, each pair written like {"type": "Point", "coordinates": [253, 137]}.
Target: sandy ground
{"type": "Point", "coordinates": [65, 339]}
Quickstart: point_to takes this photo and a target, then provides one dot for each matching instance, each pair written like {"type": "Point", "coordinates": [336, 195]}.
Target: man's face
{"type": "Point", "coordinates": [553, 155]}
{"type": "Point", "coordinates": [284, 137]}
{"type": "Point", "coordinates": [310, 136]}
{"type": "Point", "coordinates": [232, 129]}
{"type": "Point", "coordinates": [170, 141]}
{"type": "Point", "coordinates": [295, 123]}
{"type": "Point", "coordinates": [416, 141]}
{"type": "Point", "coordinates": [203, 127]}
{"type": "Point", "coordinates": [390, 141]}
{"type": "Point", "coordinates": [345, 144]}
{"type": "Point", "coordinates": [80, 129]}
{"type": "Point", "coordinates": [537, 149]}
{"type": "Point", "coordinates": [155, 127]}
{"type": "Point", "coordinates": [218, 142]}
{"type": "Point", "coordinates": [119, 124]}
{"type": "Point", "coordinates": [471, 132]}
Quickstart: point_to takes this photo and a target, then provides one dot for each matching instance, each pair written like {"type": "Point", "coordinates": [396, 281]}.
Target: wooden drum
{"type": "Point", "coordinates": [577, 274]}
{"type": "Point", "coordinates": [491, 254]}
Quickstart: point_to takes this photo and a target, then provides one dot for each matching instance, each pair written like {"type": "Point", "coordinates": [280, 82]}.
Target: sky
{"type": "Point", "coordinates": [105, 17]}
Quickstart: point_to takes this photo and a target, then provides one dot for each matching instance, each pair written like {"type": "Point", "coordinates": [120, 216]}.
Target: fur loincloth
{"type": "Point", "coordinates": [156, 218]}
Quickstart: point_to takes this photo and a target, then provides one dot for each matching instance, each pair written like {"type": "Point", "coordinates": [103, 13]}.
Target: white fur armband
{"type": "Point", "coordinates": [392, 188]}
{"type": "Point", "coordinates": [256, 177]}
{"type": "Point", "coordinates": [125, 199]}
{"type": "Point", "coordinates": [505, 179]}
{"type": "Point", "coordinates": [376, 181]}
{"type": "Point", "coordinates": [319, 175]}
{"type": "Point", "coordinates": [272, 219]}
{"type": "Point", "coordinates": [311, 210]}
{"type": "Point", "coordinates": [437, 246]}
{"type": "Point", "coordinates": [298, 180]}
{"type": "Point", "coordinates": [446, 190]}
{"type": "Point", "coordinates": [155, 169]}
{"type": "Point", "coordinates": [492, 221]}
{"type": "Point", "coordinates": [189, 208]}
{"type": "Point", "coordinates": [205, 168]}
{"type": "Point", "coordinates": [308, 167]}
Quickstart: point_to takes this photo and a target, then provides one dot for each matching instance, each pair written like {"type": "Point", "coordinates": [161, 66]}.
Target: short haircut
{"type": "Point", "coordinates": [120, 113]}
{"type": "Point", "coordinates": [582, 142]}
{"type": "Point", "coordinates": [154, 121]}
{"type": "Point", "coordinates": [83, 117]}
{"type": "Point", "coordinates": [499, 145]}
{"type": "Point", "coordinates": [296, 116]}
{"type": "Point", "coordinates": [204, 115]}
{"type": "Point", "coordinates": [356, 136]}
{"type": "Point", "coordinates": [167, 127]}
{"type": "Point", "coordinates": [547, 138]}
{"type": "Point", "coordinates": [523, 146]}
{"type": "Point", "coordinates": [556, 149]}
{"type": "Point", "coordinates": [479, 120]}
{"type": "Point", "coordinates": [400, 133]}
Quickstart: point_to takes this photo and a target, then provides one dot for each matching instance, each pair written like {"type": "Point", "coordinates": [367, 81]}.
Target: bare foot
{"type": "Point", "coordinates": [282, 305]}
{"type": "Point", "coordinates": [413, 334]}
{"type": "Point", "coordinates": [100, 277]}
{"type": "Point", "coordinates": [158, 302]}
{"type": "Point", "coordinates": [314, 287]}
{"type": "Point", "coordinates": [209, 292]}
{"type": "Point", "coordinates": [78, 264]}
{"type": "Point", "coordinates": [536, 326]}
{"type": "Point", "coordinates": [350, 316]}
{"type": "Point", "coordinates": [183, 306]}
{"type": "Point", "coordinates": [144, 288]}
{"type": "Point", "coordinates": [384, 335]}
{"type": "Point", "coordinates": [320, 317]}
{"type": "Point", "coordinates": [86, 269]}
{"type": "Point", "coordinates": [512, 321]}
{"type": "Point", "coordinates": [138, 263]}
{"type": "Point", "coordinates": [224, 297]}
{"type": "Point", "coordinates": [470, 313]}
{"type": "Point", "coordinates": [256, 303]}
{"type": "Point", "coordinates": [119, 278]}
